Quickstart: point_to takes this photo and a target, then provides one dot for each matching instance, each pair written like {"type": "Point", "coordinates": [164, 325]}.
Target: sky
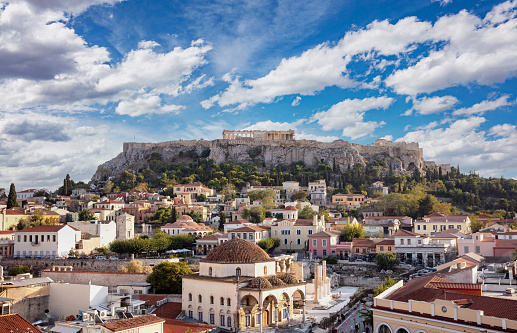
{"type": "Point", "coordinates": [78, 78]}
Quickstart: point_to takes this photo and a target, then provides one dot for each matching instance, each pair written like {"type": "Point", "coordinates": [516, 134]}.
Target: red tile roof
{"type": "Point", "coordinates": [251, 228]}
{"type": "Point", "coordinates": [169, 310]}
{"type": "Point", "coordinates": [47, 228]}
{"type": "Point", "coordinates": [16, 323]}
{"type": "Point", "coordinates": [14, 212]}
{"type": "Point", "coordinates": [178, 326]}
{"type": "Point", "coordinates": [150, 299]}
{"type": "Point", "coordinates": [405, 233]}
{"type": "Point", "coordinates": [126, 324]}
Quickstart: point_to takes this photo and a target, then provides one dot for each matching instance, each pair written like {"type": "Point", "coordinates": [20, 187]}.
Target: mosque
{"type": "Point", "coordinates": [239, 287]}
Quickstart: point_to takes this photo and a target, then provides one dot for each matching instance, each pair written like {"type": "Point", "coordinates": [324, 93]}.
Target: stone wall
{"type": "Point", "coordinates": [360, 281]}
{"type": "Point", "coordinates": [108, 279]}
{"type": "Point", "coordinates": [32, 308]}
{"type": "Point", "coordinates": [93, 265]}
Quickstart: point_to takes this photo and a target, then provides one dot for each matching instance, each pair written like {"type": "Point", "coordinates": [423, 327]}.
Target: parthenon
{"type": "Point", "coordinates": [258, 135]}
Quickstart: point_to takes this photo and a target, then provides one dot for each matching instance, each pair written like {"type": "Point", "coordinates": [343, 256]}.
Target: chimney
{"type": "Point", "coordinates": [315, 220]}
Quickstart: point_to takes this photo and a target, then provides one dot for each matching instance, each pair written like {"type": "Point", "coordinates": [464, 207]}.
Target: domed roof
{"type": "Point", "coordinates": [185, 218]}
{"type": "Point", "coordinates": [184, 221]}
{"type": "Point", "coordinates": [275, 281]}
{"type": "Point", "coordinates": [237, 251]}
{"type": "Point", "coordinates": [288, 279]}
{"type": "Point", "coordinates": [290, 208]}
{"type": "Point", "coordinates": [260, 282]}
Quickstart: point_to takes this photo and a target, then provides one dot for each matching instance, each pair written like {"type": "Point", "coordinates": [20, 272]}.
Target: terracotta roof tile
{"type": "Point", "coordinates": [126, 324]}
{"type": "Point", "coordinates": [169, 310]}
{"type": "Point", "coordinates": [405, 233]}
{"type": "Point", "coordinates": [46, 228]}
{"type": "Point", "coordinates": [178, 326]}
{"type": "Point", "coordinates": [150, 299]}
{"type": "Point", "coordinates": [16, 323]}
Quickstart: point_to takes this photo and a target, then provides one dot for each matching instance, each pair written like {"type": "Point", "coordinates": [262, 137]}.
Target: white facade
{"type": "Point", "coordinates": [84, 297]}
{"type": "Point", "coordinates": [125, 226]}
{"type": "Point", "coordinates": [45, 240]}
{"type": "Point", "coordinates": [105, 231]}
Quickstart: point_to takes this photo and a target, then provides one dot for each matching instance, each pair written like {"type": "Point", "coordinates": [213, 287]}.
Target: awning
{"type": "Point", "coordinates": [65, 329]}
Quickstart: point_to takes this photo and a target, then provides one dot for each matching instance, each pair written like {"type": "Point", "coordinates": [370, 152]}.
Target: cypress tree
{"type": "Point", "coordinates": [11, 199]}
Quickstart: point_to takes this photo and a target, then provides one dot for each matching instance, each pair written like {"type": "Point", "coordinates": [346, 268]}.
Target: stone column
{"type": "Point", "coordinates": [316, 282]}
{"type": "Point", "coordinates": [260, 319]}
{"type": "Point", "coordinates": [276, 315]}
{"type": "Point", "coordinates": [324, 278]}
{"type": "Point", "coordinates": [303, 311]}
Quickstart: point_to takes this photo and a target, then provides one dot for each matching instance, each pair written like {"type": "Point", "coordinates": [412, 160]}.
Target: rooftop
{"type": "Point", "coordinates": [126, 324]}
{"type": "Point", "coordinates": [16, 323]}
{"type": "Point", "coordinates": [237, 251]}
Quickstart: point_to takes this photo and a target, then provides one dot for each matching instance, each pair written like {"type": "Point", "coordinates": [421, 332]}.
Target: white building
{"type": "Point", "coordinates": [24, 195]}
{"type": "Point", "coordinates": [125, 224]}
{"type": "Point", "coordinates": [85, 296]}
{"type": "Point", "coordinates": [109, 204]}
{"type": "Point", "coordinates": [239, 286]}
{"type": "Point", "coordinates": [185, 225]}
{"type": "Point", "coordinates": [289, 188]}
{"type": "Point", "coordinates": [318, 192]}
{"type": "Point", "coordinates": [416, 248]}
{"type": "Point", "coordinates": [45, 240]}
{"type": "Point", "coordinates": [105, 231]}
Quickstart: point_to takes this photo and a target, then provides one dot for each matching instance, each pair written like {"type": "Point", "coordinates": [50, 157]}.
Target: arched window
{"type": "Point", "coordinates": [247, 301]}
{"type": "Point", "coordinates": [265, 270]}
{"type": "Point", "coordinates": [384, 329]}
{"type": "Point", "coordinates": [222, 300]}
{"type": "Point", "coordinates": [229, 321]}
{"type": "Point", "coordinates": [200, 298]}
{"type": "Point", "coordinates": [238, 271]}
{"type": "Point", "coordinates": [211, 299]}
{"type": "Point", "coordinates": [228, 302]}
{"type": "Point", "coordinates": [190, 297]}
{"type": "Point", "coordinates": [402, 330]}
{"type": "Point", "coordinates": [210, 271]}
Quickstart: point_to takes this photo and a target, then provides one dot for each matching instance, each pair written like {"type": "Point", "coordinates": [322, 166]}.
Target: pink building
{"type": "Point", "coordinates": [327, 244]}
{"type": "Point", "coordinates": [479, 243]}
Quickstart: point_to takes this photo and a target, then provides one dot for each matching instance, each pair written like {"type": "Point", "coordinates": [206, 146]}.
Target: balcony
{"type": "Point", "coordinates": [35, 243]}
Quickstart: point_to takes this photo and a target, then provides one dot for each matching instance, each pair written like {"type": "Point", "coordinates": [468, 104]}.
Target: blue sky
{"type": "Point", "coordinates": [78, 78]}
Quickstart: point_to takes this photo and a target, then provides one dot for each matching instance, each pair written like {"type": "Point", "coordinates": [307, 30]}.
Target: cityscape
{"type": "Point", "coordinates": [258, 166]}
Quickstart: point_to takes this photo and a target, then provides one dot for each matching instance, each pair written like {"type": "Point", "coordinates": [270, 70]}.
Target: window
{"type": "Point", "coordinates": [228, 302]}
{"type": "Point", "coordinates": [191, 314]}
{"type": "Point", "coordinates": [212, 319]}
{"type": "Point", "coordinates": [324, 242]}
{"type": "Point", "coordinates": [222, 320]}
{"type": "Point", "coordinates": [247, 301]}
{"type": "Point", "coordinates": [419, 241]}
{"type": "Point", "coordinates": [418, 227]}
{"type": "Point", "coordinates": [222, 300]}
{"type": "Point", "coordinates": [211, 299]}
{"type": "Point", "coordinates": [30, 238]}
{"type": "Point", "coordinates": [310, 231]}
{"type": "Point", "coordinates": [19, 238]}
{"type": "Point", "coordinates": [389, 248]}
{"type": "Point", "coordinates": [210, 271]}
{"type": "Point", "coordinates": [424, 227]}
{"type": "Point", "coordinates": [285, 241]}
{"type": "Point", "coordinates": [244, 236]}
{"type": "Point", "coordinates": [466, 249]}
{"type": "Point", "coordinates": [54, 238]}
{"type": "Point", "coordinates": [298, 241]}
{"type": "Point", "coordinates": [48, 238]}
{"type": "Point", "coordinates": [314, 242]}
{"type": "Point", "coordinates": [451, 227]}
{"type": "Point", "coordinates": [25, 238]}
{"type": "Point", "coordinates": [247, 321]}
{"type": "Point", "coordinates": [265, 270]}
{"type": "Point", "coordinates": [229, 321]}
{"type": "Point", "coordinates": [315, 253]}
{"type": "Point", "coordinates": [199, 298]}
{"type": "Point", "coordinates": [298, 231]}
{"type": "Point", "coordinates": [409, 242]}
{"type": "Point", "coordinates": [382, 248]}
{"type": "Point", "coordinates": [238, 271]}
{"type": "Point", "coordinates": [324, 253]}
{"type": "Point", "coordinates": [478, 249]}
{"type": "Point", "coordinates": [200, 316]}
{"type": "Point", "coordinates": [276, 232]}
{"type": "Point", "coordinates": [401, 242]}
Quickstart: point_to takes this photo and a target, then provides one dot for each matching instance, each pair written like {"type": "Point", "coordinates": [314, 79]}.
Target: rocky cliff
{"type": "Point", "coordinates": [403, 157]}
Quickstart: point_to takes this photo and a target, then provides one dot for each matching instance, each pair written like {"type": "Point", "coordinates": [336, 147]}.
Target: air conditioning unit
{"type": "Point", "coordinates": [510, 291]}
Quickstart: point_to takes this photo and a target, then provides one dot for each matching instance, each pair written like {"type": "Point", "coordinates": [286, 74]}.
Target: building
{"type": "Point", "coordinates": [290, 187]}
{"type": "Point", "coordinates": [258, 135]}
{"type": "Point", "coordinates": [434, 304]}
{"type": "Point", "coordinates": [438, 222]}
{"type": "Point", "coordinates": [185, 225]}
{"type": "Point", "coordinates": [45, 240]}
{"type": "Point", "coordinates": [252, 233]}
{"type": "Point", "coordinates": [26, 194]}
{"type": "Point", "coordinates": [418, 249]}
{"type": "Point", "coordinates": [239, 286]}
{"type": "Point", "coordinates": [208, 243]}
{"type": "Point", "coordinates": [294, 234]}
{"type": "Point", "coordinates": [109, 204]}
{"type": "Point", "coordinates": [6, 244]}
{"type": "Point", "coordinates": [228, 226]}
{"type": "Point", "coordinates": [327, 244]}
{"type": "Point", "coordinates": [84, 297]}
{"type": "Point", "coordinates": [385, 225]}
{"type": "Point", "coordinates": [378, 188]}
{"type": "Point", "coordinates": [189, 192]}
{"type": "Point", "coordinates": [125, 225]}
{"type": "Point", "coordinates": [318, 192]}
{"type": "Point", "coordinates": [16, 323]}
{"type": "Point", "coordinates": [289, 212]}
{"type": "Point", "coordinates": [147, 323]}
{"type": "Point", "coordinates": [350, 201]}
{"type": "Point", "coordinates": [105, 231]}
{"type": "Point", "coordinates": [10, 218]}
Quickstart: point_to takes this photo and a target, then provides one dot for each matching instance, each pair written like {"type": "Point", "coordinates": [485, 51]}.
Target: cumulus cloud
{"type": "Point", "coordinates": [269, 125]}
{"type": "Point", "coordinates": [296, 101]}
{"type": "Point", "coordinates": [387, 137]}
{"type": "Point", "coordinates": [431, 105]}
{"type": "Point", "coordinates": [69, 6]}
{"type": "Point", "coordinates": [348, 116]}
{"type": "Point", "coordinates": [146, 105]}
{"type": "Point", "coordinates": [64, 72]}
{"type": "Point", "coordinates": [464, 143]}
{"type": "Point", "coordinates": [484, 106]}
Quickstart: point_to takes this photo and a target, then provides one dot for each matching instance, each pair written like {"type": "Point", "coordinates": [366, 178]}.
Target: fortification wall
{"type": "Point", "coordinates": [108, 279]}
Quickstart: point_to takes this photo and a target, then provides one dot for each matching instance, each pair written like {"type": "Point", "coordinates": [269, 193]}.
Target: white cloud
{"type": "Point", "coordinates": [68, 6]}
{"type": "Point", "coordinates": [321, 138]}
{"type": "Point", "coordinates": [146, 105]}
{"type": "Point", "coordinates": [476, 51]}
{"type": "Point", "coordinates": [484, 106]}
{"type": "Point", "coordinates": [464, 143]}
{"type": "Point", "coordinates": [431, 105]}
{"type": "Point", "coordinates": [147, 44]}
{"type": "Point", "coordinates": [296, 101]}
{"type": "Point", "coordinates": [348, 116]}
{"type": "Point", "coordinates": [387, 137]}
{"type": "Point", "coordinates": [443, 2]}
{"type": "Point", "coordinates": [268, 125]}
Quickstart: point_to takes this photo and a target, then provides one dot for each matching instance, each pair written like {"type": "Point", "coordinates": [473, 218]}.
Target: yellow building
{"type": "Point", "coordinates": [10, 218]}
{"type": "Point", "coordinates": [352, 201]}
{"type": "Point", "coordinates": [432, 304]}
{"type": "Point", "coordinates": [184, 209]}
{"type": "Point", "coordinates": [294, 234]}
{"type": "Point", "coordinates": [436, 223]}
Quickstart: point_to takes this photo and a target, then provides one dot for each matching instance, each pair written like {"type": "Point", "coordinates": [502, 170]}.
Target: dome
{"type": "Point", "coordinates": [260, 282]}
{"type": "Point", "coordinates": [276, 281]}
{"type": "Point", "coordinates": [184, 221]}
{"type": "Point", "coordinates": [237, 251]}
{"type": "Point", "coordinates": [185, 218]}
{"type": "Point", "coordinates": [288, 279]}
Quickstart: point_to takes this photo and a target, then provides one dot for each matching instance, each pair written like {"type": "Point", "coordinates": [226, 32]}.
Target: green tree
{"type": "Point", "coordinates": [299, 195]}
{"type": "Point", "coordinates": [222, 220]}
{"type": "Point", "coordinates": [166, 277]}
{"type": "Point", "coordinates": [386, 260]}
{"type": "Point", "coordinates": [425, 206]}
{"type": "Point", "coordinates": [388, 282]}
{"type": "Point", "coordinates": [11, 198]}
{"type": "Point", "coordinates": [134, 266]}
{"type": "Point", "coordinates": [103, 251]}
{"type": "Point", "coordinates": [351, 231]}
{"type": "Point", "coordinates": [201, 198]}
{"type": "Point", "coordinates": [476, 224]}
{"type": "Point", "coordinates": [86, 215]}
{"type": "Point", "coordinates": [306, 213]}
{"type": "Point", "coordinates": [22, 224]}
{"type": "Point", "coordinates": [19, 269]}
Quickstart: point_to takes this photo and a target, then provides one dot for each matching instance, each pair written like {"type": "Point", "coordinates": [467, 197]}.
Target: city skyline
{"type": "Point", "coordinates": [80, 78]}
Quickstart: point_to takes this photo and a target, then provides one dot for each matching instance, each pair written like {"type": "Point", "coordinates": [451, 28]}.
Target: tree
{"type": "Point", "coordinates": [134, 266]}
{"type": "Point", "coordinates": [102, 250]}
{"type": "Point", "coordinates": [386, 260]}
{"type": "Point", "coordinates": [86, 215]}
{"type": "Point", "coordinates": [351, 231]}
{"type": "Point", "coordinates": [11, 198]}
{"type": "Point", "coordinates": [270, 243]}
{"type": "Point", "coordinates": [201, 198]}
{"type": "Point", "coordinates": [222, 220]}
{"type": "Point", "coordinates": [388, 282]}
{"type": "Point", "coordinates": [299, 195]}
{"type": "Point", "coordinates": [19, 269]}
{"type": "Point", "coordinates": [475, 224]}
{"type": "Point", "coordinates": [73, 253]}
{"type": "Point", "coordinates": [166, 277]}
{"type": "Point", "coordinates": [22, 224]}
{"type": "Point", "coordinates": [425, 206]}
{"type": "Point", "coordinates": [306, 213]}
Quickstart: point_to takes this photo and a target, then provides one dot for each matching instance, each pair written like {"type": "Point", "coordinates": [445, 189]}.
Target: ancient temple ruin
{"type": "Point", "coordinates": [258, 135]}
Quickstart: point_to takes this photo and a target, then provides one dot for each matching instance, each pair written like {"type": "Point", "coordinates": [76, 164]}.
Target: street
{"type": "Point", "coordinates": [348, 325]}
